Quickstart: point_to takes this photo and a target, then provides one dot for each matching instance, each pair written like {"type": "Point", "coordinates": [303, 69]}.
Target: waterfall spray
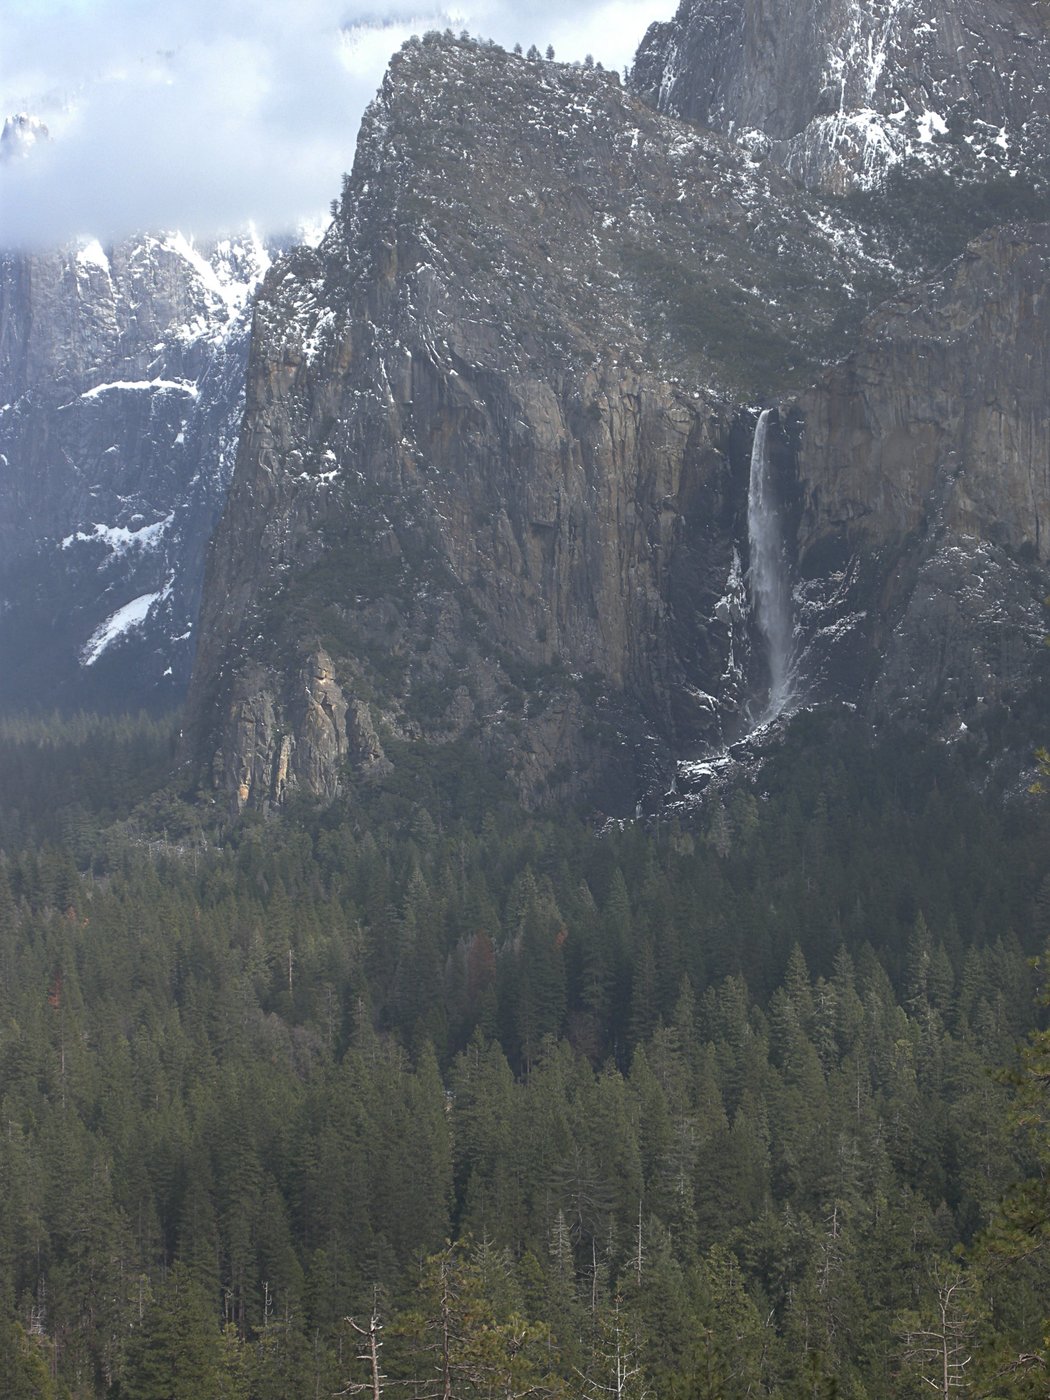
{"type": "Point", "coordinates": [770, 584]}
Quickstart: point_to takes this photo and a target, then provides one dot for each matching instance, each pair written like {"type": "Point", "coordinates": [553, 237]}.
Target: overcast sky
{"type": "Point", "coordinates": [204, 114]}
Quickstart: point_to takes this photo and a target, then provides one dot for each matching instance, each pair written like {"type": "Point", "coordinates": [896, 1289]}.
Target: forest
{"type": "Point", "coordinates": [427, 1096]}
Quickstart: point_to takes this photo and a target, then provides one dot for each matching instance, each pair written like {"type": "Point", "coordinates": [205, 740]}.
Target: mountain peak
{"type": "Point", "coordinates": [20, 134]}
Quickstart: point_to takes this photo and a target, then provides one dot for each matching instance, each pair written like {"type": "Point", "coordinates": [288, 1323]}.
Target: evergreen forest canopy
{"type": "Point", "coordinates": [716, 1109]}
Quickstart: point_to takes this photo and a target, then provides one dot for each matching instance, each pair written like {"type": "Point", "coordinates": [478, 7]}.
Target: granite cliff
{"type": "Point", "coordinates": [925, 478]}
{"type": "Point", "coordinates": [491, 492]}
{"type": "Point", "coordinates": [488, 486]}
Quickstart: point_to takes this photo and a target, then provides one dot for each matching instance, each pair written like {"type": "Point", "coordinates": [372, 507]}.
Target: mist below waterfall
{"type": "Point", "coordinates": [769, 578]}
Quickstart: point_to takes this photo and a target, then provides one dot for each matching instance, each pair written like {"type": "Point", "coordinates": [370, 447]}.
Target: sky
{"type": "Point", "coordinates": [204, 115]}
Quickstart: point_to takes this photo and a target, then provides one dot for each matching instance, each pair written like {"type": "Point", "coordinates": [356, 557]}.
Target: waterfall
{"type": "Point", "coordinates": [769, 579]}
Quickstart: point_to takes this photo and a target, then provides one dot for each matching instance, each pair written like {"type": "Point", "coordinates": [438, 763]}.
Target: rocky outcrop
{"type": "Point", "coordinates": [121, 393]}
{"type": "Point", "coordinates": [270, 760]}
{"type": "Point", "coordinates": [489, 461]}
{"type": "Point", "coordinates": [840, 91]}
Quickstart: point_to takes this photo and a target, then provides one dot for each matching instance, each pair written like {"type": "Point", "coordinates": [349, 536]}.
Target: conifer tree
{"type": "Point", "coordinates": [23, 1371]}
{"type": "Point", "coordinates": [176, 1354]}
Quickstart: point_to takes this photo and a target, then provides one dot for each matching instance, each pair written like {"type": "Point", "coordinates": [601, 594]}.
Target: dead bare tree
{"type": "Point", "coordinates": [940, 1354]}
{"type": "Point", "coordinates": [371, 1343]}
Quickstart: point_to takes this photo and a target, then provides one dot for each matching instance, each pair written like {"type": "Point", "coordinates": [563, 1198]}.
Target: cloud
{"type": "Point", "coordinates": [205, 114]}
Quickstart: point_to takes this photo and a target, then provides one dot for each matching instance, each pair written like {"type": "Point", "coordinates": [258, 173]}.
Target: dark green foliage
{"type": "Point", "coordinates": [23, 1370]}
{"type": "Point", "coordinates": [710, 1105]}
{"type": "Point", "coordinates": [176, 1354]}
{"type": "Point", "coordinates": [64, 778]}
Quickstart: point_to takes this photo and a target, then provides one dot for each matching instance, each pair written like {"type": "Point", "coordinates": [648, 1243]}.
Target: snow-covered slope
{"type": "Point", "coordinates": [121, 394]}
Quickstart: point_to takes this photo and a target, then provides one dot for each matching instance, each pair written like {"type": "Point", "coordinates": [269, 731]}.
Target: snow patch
{"type": "Point", "coordinates": [313, 342]}
{"type": "Point", "coordinates": [236, 268]}
{"type": "Point", "coordinates": [119, 538]}
{"type": "Point", "coordinates": [179, 244]}
{"type": "Point", "coordinates": [163, 386]}
{"type": "Point", "coordinates": [311, 231]}
{"type": "Point", "coordinates": [92, 254]}
{"type": "Point", "coordinates": [931, 124]}
{"type": "Point", "coordinates": [124, 620]}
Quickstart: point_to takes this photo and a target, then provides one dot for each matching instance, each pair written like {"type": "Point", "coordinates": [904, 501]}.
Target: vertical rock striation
{"type": "Point", "coordinates": [925, 471]}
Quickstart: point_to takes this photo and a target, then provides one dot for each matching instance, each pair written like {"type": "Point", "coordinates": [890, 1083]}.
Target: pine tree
{"type": "Point", "coordinates": [1016, 1246]}
{"type": "Point", "coordinates": [729, 1344]}
{"type": "Point", "coordinates": [177, 1353]}
{"type": "Point", "coordinates": [23, 1371]}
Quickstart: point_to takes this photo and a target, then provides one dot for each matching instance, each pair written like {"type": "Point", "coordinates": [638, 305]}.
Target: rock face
{"type": "Point", "coordinates": [121, 392]}
{"type": "Point", "coordinates": [839, 91]}
{"type": "Point", "coordinates": [944, 399]}
{"type": "Point", "coordinates": [491, 491]}
{"type": "Point", "coordinates": [306, 749]}
{"type": "Point", "coordinates": [925, 473]}
{"type": "Point", "coordinates": [489, 465]}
